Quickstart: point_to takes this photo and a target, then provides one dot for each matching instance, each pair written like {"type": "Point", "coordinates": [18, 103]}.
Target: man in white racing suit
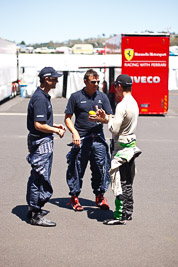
{"type": "Point", "coordinates": [122, 172]}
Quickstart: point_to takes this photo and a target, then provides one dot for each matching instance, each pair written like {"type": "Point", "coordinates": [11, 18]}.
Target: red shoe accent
{"type": "Point", "coordinates": [101, 202]}
{"type": "Point", "coordinates": [75, 204]}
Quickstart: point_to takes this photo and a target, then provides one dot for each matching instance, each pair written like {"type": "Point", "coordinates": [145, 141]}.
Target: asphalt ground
{"type": "Point", "coordinates": [81, 239]}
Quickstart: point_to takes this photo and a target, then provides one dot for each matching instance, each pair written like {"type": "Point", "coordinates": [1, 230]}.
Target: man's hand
{"type": "Point", "coordinates": [61, 132]}
{"type": "Point", "coordinates": [92, 117]}
{"type": "Point", "coordinates": [76, 138]}
{"type": "Point", "coordinates": [101, 114]}
{"type": "Point", "coordinates": [70, 126]}
{"type": "Point", "coordinates": [59, 126]}
{"type": "Point", "coordinates": [61, 129]}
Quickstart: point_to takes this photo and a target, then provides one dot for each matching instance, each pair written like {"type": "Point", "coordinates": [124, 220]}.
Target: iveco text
{"type": "Point", "coordinates": [145, 79]}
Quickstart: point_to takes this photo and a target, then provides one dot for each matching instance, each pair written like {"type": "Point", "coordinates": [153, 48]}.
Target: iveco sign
{"type": "Point", "coordinates": [146, 79]}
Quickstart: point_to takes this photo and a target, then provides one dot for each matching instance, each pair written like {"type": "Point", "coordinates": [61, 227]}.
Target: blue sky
{"type": "Point", "coordinates": [36, 21]}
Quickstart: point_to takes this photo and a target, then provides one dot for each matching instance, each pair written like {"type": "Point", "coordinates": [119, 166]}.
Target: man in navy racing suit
{"type": "Point", "coordinates": [88, 141]}
{"type": "Point", "coordinates": [40, 145]}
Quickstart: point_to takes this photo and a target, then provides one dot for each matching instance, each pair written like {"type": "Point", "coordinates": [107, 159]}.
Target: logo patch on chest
{"type": "Point", "coordinates": [40, 116]}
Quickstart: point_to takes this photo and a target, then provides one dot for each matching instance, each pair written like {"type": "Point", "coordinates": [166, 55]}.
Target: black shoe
{"type": "Point", "coordinates": [30, 209]}
{"type": "Point", "coordinates": [114, 222]}
{"type": "Point", "coordinates": [38, 219]}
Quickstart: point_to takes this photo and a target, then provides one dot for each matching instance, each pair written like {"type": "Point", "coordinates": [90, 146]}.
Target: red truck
{"type": "Point", "coordinates": [145, 57]}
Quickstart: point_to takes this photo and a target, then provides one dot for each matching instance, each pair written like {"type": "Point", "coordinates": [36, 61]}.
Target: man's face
{"type": "Point", "coordinates": [92, 83]}
{"type": "Point", "coordinates": [118, 89]}
{"type": "Point", "coordinates": [52, 82]}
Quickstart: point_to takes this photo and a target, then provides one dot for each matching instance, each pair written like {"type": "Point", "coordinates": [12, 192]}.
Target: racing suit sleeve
{"type": "Point", "coordinates": [116, 122]}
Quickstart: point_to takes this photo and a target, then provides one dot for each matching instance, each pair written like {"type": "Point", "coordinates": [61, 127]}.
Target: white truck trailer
{"type": "Point", "coordinates": [9, 70]}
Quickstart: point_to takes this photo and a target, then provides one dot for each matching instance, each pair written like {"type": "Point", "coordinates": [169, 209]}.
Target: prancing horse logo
{"type": "Point", "coordinates": [129, 53]}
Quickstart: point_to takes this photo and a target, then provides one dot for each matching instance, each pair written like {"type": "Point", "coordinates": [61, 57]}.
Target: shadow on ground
{"type": "Point", "coordinates": [92, 211]}
{"type": "Point", "coordinates": [21, 212]}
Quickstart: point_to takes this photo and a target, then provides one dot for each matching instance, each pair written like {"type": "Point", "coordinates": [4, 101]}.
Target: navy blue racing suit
{"type": "Point", "coordinates": [93, 146]}
{"type": "Point", "coordinates": [40, 146]}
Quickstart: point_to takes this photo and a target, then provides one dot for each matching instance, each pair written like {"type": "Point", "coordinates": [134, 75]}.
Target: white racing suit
{"type": "Point", "coordinates": [122, 173]}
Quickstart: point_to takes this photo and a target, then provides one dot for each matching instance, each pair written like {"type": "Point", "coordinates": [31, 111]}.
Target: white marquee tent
{"type": "Point", "coordinates": [33, 63]}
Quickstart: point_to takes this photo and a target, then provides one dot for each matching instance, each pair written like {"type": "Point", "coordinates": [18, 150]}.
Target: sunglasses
{"type": "Point", "coordinates": [53, 79]}
{"type": "Point", "coordinates": [93, 82]}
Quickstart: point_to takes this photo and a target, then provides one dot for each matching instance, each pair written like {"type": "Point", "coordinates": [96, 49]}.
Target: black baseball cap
{"type": "Point", "coordinates": [49, 72]}
{"type": "Point", "coordinates": [124, 80]}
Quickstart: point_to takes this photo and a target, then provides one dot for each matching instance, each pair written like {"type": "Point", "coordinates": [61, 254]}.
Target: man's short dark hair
{"type": "Point", "coordinates": [90, 72]}
{"type": "Point", "coordinates": [42, 79]}
{"type": "Point", "coordinates": [126, 88]}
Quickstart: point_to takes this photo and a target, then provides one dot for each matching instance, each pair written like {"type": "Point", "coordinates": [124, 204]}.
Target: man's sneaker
{"type": "Point", "coordinates": [101, 202]}
{"type": "Point", "coordinates": [75, 204]}
{"type": "Point", "coordinates": [114, 222]}
{"type": "Point", "coordinates": [30, 210]}
{"type": "Point", "coordinates": [38, 219]}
